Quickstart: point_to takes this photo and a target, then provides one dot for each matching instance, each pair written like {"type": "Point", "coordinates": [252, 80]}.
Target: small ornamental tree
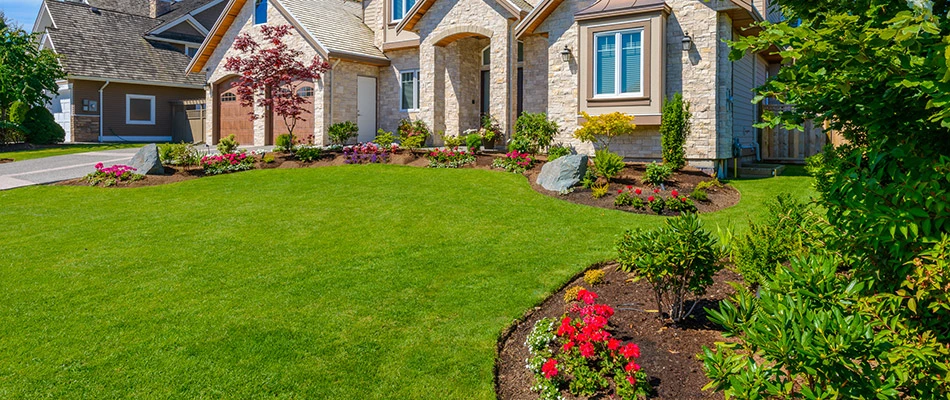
{"type": "Point", "coordinates": [603, 128]}
{"type": "Point", "coordinates": [271, 72]}
{"type": "Point", "coordinates": [673, 131]}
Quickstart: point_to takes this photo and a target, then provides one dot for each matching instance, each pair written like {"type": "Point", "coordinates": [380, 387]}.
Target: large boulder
{"type": "Point", "coordinates": [563, 173]}
{"type": "Point", "coordinates": [146, 161]}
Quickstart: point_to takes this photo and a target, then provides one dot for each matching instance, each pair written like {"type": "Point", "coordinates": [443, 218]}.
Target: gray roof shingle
{"type": "Point", "coordinates": [337, 24]}
{"type": "Point", "coordinates": [111, 45]}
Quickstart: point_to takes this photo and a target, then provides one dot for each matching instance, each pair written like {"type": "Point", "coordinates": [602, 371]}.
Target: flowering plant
{"type": "Point", "coordinates": [224, 163]}
{"type": "Point", "coordinates": [449, 158]}
{"type": "Point", "coordinates": [369, 153]}
{"type": "Point", "coordinates": [514, 161]}
{"type": "Point", "coordinates": [582, 355]}
{"type": "Point", "coordinates": [110, 176]}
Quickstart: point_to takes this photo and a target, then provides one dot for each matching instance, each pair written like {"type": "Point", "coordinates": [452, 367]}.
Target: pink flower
{"type": "Point", "coordinates": [629, 187]}
{"type": "Point", "coordinates": [98, 165]}
{"type": "Point", "coordinates": [619, 191]}
{"type": "Point", "coordinates": [586, 296]}
{"type": "Point", "coordinates": [568, 346]}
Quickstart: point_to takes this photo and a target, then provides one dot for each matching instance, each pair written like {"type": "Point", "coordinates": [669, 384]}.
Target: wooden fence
{"type": "Point", "coordinates": [784, 145]}
{"type": "Point", "coordinates": [188, 121]}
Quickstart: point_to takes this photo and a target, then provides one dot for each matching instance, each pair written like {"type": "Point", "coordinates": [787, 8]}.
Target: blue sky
{"type": "Point", "coordinates": [22, 12]}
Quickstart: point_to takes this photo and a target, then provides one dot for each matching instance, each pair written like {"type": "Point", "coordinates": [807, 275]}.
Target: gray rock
{"type": "Point", "coordinates": [146, 161]}
{"type": "Point", "coordinates": [563, 173]}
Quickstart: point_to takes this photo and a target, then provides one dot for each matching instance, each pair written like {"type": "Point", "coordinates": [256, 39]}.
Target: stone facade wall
{"type": "Point", "coordinates": [244, 23]}
{"type": "Point", "coordinates": [343, 81]}
{"type": "Point", "coordinates": [724, 105]}
{"type": "Point", "coordinates": [643, 144]}
{"type": "Point", "coordinates": [535, 74]}
{"type": "Point", "coordinates": [85, 128]}
{"type": "Point", "coordinates": [388, 89]}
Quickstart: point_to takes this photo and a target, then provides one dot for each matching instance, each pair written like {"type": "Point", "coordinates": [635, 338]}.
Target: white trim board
{"type": "Point", "coordinates": [128, 109]}
{"type": "Point", "coordinates": [136, 139]}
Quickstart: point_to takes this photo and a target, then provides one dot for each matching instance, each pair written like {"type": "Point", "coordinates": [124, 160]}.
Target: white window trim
{"type": "Point", "coordinates": [415, 90]}
{"type": "Point", "coordinates": [191, 48]}
{"type": "Point", "coordinates": [128, 109]}
{"type": "Point", "coordinates": [405, 10]}
{"type": "Point", "coordinates": [482, 63]}
{"type": "Point", "coordinates": [265, 13]}
{"type": "Point", "coordinates": [617, 94]}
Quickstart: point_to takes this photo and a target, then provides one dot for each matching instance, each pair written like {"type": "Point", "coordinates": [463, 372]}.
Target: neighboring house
{"type": "Point", "coordinates": [125, 63]}
{"type": "Point", "coordinates": [448, 62]}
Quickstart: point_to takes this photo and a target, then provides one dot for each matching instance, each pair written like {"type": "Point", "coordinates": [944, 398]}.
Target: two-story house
{"type": "Point", "coordinates": [448, 62]}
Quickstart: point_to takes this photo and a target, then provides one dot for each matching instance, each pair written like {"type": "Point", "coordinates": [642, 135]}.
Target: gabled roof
{"type": "Point", "coordinates": [600, 9]}
{"type": "Point", "coordinates": [334, 27]}
{"type": "Point", "coordinates": [183, 12]}
{"type": "Point", "coordinates": [517, 9]}
{"type": "Point", "coordinates": [104, 44]}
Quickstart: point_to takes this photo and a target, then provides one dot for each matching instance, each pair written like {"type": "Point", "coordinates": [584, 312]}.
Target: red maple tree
{"type": "Point", "coordinates": [271, 74]}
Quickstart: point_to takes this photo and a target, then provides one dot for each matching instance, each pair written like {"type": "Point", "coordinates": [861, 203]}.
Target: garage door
{"type": "Point", "coordinates": [234, 119]}
{"type": "Point", "coordinates": [304, 128]}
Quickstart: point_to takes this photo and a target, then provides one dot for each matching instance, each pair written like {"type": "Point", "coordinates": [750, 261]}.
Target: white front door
{"type": "Point", "coordinates": [62, 113]}
{"type": "Point", "coordinates": [366, 108]}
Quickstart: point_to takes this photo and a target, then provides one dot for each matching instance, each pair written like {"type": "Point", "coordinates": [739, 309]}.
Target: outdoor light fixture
{"type": "Point", "coordinates": [566, 54]}
{"type": "Point", "coordinates": [687, 42]}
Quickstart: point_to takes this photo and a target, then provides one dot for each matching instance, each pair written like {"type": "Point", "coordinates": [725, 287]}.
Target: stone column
{"type": "Point", "coordinates": [210, 112]}
{"type": "Point", "coordinates": [501, 78]}
{"type": "Point", "coordinates": [432, 86]}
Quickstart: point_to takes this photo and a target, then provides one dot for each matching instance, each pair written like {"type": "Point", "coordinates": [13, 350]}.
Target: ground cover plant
{"type": "Point", "coordinates": [343, 303]}
{"type": "Point", "coordinates": [216, 164]}
{"type": "Point", "coordinates": [514, 161]}
{"type": "Point", "coordinates": [366, 153]}
{"type": "Point", "coordinates": [449, 158]}
{"type": "Point", "coordinates": [112, 175]}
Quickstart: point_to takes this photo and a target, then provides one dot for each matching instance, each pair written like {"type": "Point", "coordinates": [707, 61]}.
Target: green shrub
{"type": "Point", "coordinates": [308, 153]}
{"type": "Point", "coordinates": [537, 129]}
{"type": "Point", "coordinates": [590, 177]}
{"type": "Point", "coordinates": [178, 154]}
{"type": "Point", "coordinates": [657, 174]}
{"type": "Point", "coordinates": [624, 199]}
{"type": "Point", "coordinates": [17, 112]}
{"type": "Point", "coordinates": [680, 205]}
{"type": "Point", "coordinates": [677, 260]}
{"type": "Point", "coordinates": [284, 143]}
{"type": "Point", "coordinates": [558, 151]}
{"type": "Point", "coordinates": [384, 138]}
{"type": "Point", "coordinates": [638, 203]}
{"type": "Point", "coordinates": [674, 129]}
{"type": "Point", "coordinates": [474, 142]}
{"type": "Point", "coordinates": [41, 127]}
{"type": "Point", "coordinates": [706, 185]}
{"type": "Point", "coordinates": [598, 191]}
{"type": "Point", "coordinates": [450, 141]}
{"type": "Point", "coordinates": [699, 195]}
{"type": "Point", "coordinates": [607, 164]}
{"type": "Point", "coordinates": [412, 134]}
{"type": "Point", "coordinates": [594, 276]}
{"type": "Point", "coordinates": [657, 205]}
{"type": "Point", "coordinates": [520, 144]}
{"type": "Point", "coordinates": [341, 132]}
{"type": "Point", "coordinates": [268, 158]}
{"type": "Point", "coordinates": [788, 230]}
{"type": "Point", "coordinates": [227, 145]}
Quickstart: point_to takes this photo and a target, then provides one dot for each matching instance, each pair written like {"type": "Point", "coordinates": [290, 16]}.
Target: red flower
{"type": "Point", "coordinates": [656, 190]}
{"type": "Point", "coordinates": [629, 187]}
{"type": "Point", "coordinates": [632, 380]}
{"type": "Point", "coordinates": [675, 193]}
{"type": "Point", "coordinates": [586, 296]}
{"type": "Point", "coordinates": [632, 366]}
{"type": "Point", "coordinates": [568, 346]}
{"type": "Point", "coordinates": [631, 350]}
{"type": "Point", "coordinates": [613, 344]}
{"type": "Point", "coordinates": [650, 199]}
{"type": "Point", "coordinates": [549, 368]}
{"type": "Point", "coordinates": [587, 350]}
{"type": "Point", "coordinates": [566, 328]}
{"type": "Point", "coordinates": [619, 191]}
{"type": "Point", "coordinates": [683, 199]}
{"type": "Point", "coordinates": [98, 165]}
{"type": "Point", "coordinates": [639, 191]}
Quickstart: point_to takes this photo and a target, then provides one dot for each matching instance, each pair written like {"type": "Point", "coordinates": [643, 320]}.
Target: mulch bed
{"type": "Point", "coordinates": [668, 352]}
{"type": "Point", "coordinates": [683, 182]}
{"type": "Point", "coordinates": [5, 160]}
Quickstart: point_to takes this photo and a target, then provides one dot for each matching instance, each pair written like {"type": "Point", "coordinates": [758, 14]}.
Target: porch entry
{"type": "Point", "coordinates": [366, 108]}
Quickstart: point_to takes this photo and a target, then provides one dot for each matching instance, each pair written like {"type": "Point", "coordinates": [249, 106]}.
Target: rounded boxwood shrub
{"type": "Point", "coordinates": [41, 127]}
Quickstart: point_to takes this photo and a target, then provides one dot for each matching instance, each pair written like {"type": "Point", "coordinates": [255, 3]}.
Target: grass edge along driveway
{"type": "Point", "coordinates": [349, 282]}
{"type": "Point", "coordinates": [63, 149]}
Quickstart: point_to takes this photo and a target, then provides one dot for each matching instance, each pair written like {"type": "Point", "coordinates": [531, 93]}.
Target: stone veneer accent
{"type": "Point", "coordinates": [85, 128]}
{"type": "Point", "coordinates": [388, 89]}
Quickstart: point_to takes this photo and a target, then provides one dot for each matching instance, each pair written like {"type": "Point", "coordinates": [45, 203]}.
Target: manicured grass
{"type": "Point", "coordinates": [352, 282]}
{"type": "Point", "coordinates": [63, 149]}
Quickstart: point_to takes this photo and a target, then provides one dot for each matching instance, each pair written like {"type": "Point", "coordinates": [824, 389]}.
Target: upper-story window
{"type": "Point", "coordinates": [618, 63]}
{"type": "Point", "coordinates": [400, 8]}
{"type": "Point", "coordinates": [260, 12]}
{"type": "Point", "coordinates": [191, 51]}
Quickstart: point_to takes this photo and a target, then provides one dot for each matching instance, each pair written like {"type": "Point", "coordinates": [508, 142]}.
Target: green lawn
{"type": "Point", "coordinates": [63, 149]}
{"type": "Point", "coordinates": [352, 282]}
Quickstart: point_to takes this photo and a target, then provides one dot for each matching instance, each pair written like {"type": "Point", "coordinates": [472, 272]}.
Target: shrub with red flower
{"type": "Point", "coordinates": [449, 158]}
{"type": "Point", "coordinates": [580, 354]}
{"type": "Point", "coordinates": [514, 161]}
{"type": "Point", "coordinates": [224, 163]}
{"type": "Point", "coordinates": [110, 176]}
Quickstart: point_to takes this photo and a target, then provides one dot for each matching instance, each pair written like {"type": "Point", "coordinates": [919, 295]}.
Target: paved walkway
{"type": "Point", "coordinates": [59, 168]}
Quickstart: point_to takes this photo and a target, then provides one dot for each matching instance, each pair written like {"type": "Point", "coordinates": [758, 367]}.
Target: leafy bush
{"type": "Point", "coordinates": [227, 162]}
{"type": "Point", "coordinates": [677, 260]}
{"type": "Point", "coordinates": [594, 276]}
{"type": "Point", "coordinates": [706, 185]}
{"type": "Point", "coordinates": [227, 145]}
{"type": "Point", "coordinates": [570, 295]}
{"type": "Point", "coordinates": [41, 127]}
{"type": "Point", "coordinates": [268, 158]}
{"type": "Point", "coordinates": [490, 129]}
{"type": "Point", "coordinates": [603, 128]}
{"type": "Point", "coordinates": [449, 158]}
{"type": "Point", "coordinates": [788, 230]}
{"type": "Point", "coordinates": [699, 195]}
{"type": "Point", "coordinates": [342, 132]}
{"type": "Point", "coordinates": [590, 177]}
{"type": "Point", "coordinates": [110, 176]}
{"type": "Point", "coordinates": [474, 142]}
{"type": "Point", "coordinates": [12, 130]}
{"type": "Point", "coordinates": [624, 199]}
{"type": "Point", "coordinates": [656, 204]}
{"type": "Point", "coordinates": [451, 141]}
{"type": "Point", "coordinates": [558, 151]}
{"type": "Point", "coordinates": [284, 143]}
{"type": "Point", "coordinates": [178, 154]}
{"type": "Point", "coordinates": [412, 135]}
{"type": "Point", "coordinates": [366, 153]}
{"type": "Point", "coordinates": [384, 139]}
{"type": "Point", "coordinates": [514, 161]}
{"type": "Point", "coordinates": [17, 112]}
{"type": "Point", "coordinates": [674, 129]}
{"type": "Point", "coordinates": [520, 144]}
{"type": "Point", "coordinates": [680, 205]}
{"type": "Point", "coordinates": [599, 190]}
{"type": "Point", "coordinates": [657, 174]}
{"type": "Point", "coordinates": [308, 153]}
{"type": "Point", "coordinates": [607, 164]}
{"type": "Point", "coordinates": [582, 356]}
{"type": "Point", "coordinates": [536, 129]}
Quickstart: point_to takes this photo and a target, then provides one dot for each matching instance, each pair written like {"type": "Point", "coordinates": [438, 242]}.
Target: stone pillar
{"type": "Point", "coordinates": [321, 101]}
{"type": "Point", "coordinates": [501, 78]}
{"type": "Point", "coordinates": [210, 112]}
{"type": "Point", "coordinates": [432, 86]}
{"type": "Point", "coordinates": [726, 99]}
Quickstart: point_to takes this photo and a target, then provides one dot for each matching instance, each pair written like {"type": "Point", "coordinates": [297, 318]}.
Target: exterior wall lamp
{"type": "Point", "coordinates": [566, 54]}
{"type": "Point", "coordinates": [687, 41]}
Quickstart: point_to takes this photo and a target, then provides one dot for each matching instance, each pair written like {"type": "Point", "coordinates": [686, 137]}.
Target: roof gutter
{"type": "Point", "coordinates": [100, 109]}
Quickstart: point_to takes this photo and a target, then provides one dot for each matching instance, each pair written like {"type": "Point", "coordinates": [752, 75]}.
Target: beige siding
{"type": "Point", "coordinates": [114, 110]}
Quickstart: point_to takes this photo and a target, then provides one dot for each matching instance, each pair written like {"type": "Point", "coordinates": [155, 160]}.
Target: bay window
{"type": "Point", "coordinates": [618, 64]}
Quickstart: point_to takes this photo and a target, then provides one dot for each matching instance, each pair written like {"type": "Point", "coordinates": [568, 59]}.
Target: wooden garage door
{"type": "Point", "coordinates": [234, 118]}
{"type": "Point", "coordinates": [304, 127]}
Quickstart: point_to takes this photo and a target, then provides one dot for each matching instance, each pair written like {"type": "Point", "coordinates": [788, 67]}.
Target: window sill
{"type": "Point", "coordinates": [614, 101]}
{"type": "Point", "coordinates": [139, 122]}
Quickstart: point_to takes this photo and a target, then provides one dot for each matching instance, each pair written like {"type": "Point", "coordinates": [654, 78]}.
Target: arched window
{"type": "Point", "coordinates": [228, 97]}
{"type": "Point", "coordinates": [305, 91]}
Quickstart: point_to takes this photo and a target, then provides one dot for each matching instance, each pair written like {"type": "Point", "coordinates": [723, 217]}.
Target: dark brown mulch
{"type": "Point", "coordinates": [5, 160]}
{"type": "Point", "coordinates": [668, 352]}
{"type": "Point", "coordinates": [683, 182]}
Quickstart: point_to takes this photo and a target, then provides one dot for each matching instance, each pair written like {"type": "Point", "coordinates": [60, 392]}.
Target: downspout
{"type": "Point", "coordinates": [100, 109]}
